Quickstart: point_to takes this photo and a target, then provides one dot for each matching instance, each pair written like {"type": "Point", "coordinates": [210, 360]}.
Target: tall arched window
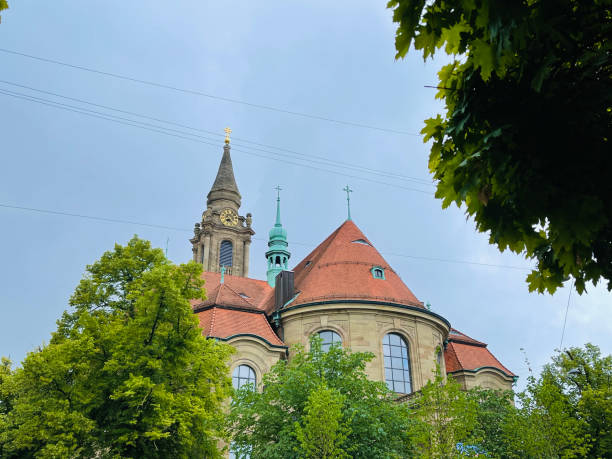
{"type": "Point", "coordinates": [329, 338]}
{"type": "Point", "coordinates": [225, 254]}
{"type": "Point", "coordinates": [397, 364]}
{"type": "Point", "coordinates": [242, 375]}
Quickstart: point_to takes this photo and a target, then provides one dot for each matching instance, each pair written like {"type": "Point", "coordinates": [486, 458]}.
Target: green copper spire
{"type": "Point", "coordinates": [277, 255]}
{"type": "Point", "coordinates": [278, 190]}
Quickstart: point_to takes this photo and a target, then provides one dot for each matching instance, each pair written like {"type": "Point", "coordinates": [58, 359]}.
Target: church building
{"type": "Point", "coordinates": [344, 291]}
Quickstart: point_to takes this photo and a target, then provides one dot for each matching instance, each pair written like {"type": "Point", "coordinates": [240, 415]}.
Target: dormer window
{"type": "Point", "coordinates": [378, 272]}
{"type": "Point", "coordinates": [361, 241]}
{"type": "Point", "coordinates": [244, 295]}
{"type": "Point", "coordinates": [307, 264]}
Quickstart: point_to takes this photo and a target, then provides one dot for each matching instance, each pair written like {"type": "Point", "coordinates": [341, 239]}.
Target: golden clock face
{"type": "Point", "coordinates": [229, 217]}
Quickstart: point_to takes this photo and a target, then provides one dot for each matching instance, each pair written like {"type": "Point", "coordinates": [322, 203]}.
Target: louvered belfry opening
{"type": "Point", "coordinates": [226, 254]}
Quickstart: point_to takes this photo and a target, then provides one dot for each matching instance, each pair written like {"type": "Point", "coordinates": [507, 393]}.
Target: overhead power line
{"type": "Point", "coordinates": [188, 136]}
{"type": "Point", "coordinates": [317, 158]}
{"type": "Point", "coordinates": [208, 95]}
{"type": "Point", "coordinates": [173, 228]}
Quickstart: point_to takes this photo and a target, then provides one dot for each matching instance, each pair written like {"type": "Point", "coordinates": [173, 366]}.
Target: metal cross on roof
{"type": "Point", "coordinates": [228, 131]}
{"type": "Point", "coordinates": [278, 190]}
{"type": "Point", "coordinates": [348, 200]}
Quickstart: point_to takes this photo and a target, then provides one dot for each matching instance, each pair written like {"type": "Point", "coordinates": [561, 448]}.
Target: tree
{"type": "Point", "coordinates": [494, 408]}
{"type": "Point", "coordinates": [567, 411]}
{"type": "Point", "coordinates": [287, 417]}
{"type": "Point", "coordinates": [3, 6]}
{"type": "Point", "coordinates": [127, 373]}
{"type": "Point", "coordinates": [324, 433]}
{"type": "Point", "coordinates": [525, 141]}
{"type": "Point", "coordinates": [444, 418]}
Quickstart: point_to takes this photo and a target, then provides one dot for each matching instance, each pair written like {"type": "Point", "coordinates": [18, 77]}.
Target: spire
{"type": "Point", "coordinates": [277, 255]}
{"type": "Point", "coordinates": [348, 200]}
{"type": "Point", "coordinates": [225, 183]}
{"type": "Point", "coordinates": [278, 190]}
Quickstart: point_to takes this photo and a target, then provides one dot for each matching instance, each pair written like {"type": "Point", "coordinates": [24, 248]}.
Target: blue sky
{"type": "Point", "coordinates": [334, 60]}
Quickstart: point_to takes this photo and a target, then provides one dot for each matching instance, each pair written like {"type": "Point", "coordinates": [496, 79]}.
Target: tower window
{"type": "Point", "coordinates": [378, 272]}
{"type": "Point", "coordinates": [226, 254]}
{"type": "Point", "coordinates": [397, 364]}
{"type": "Point", "coordinates": [330, 338]}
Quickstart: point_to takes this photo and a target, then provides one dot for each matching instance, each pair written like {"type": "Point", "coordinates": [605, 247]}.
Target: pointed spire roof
{"type": "Point", "coordinates": [341, 268]}
{"type": "Point", "coordinates": [225, 183]}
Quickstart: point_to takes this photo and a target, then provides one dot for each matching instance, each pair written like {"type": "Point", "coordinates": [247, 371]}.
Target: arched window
{"type": "Point", "coordinates": [243, 374]}
{"type": "Point", "coordinates": [226, 254]}
{"type": "Point", "coordinates": [329, 338]}
{"type": "Point", "coordinates": [378, 272]}
{"type": "Point", "coordinates": [397, 364]}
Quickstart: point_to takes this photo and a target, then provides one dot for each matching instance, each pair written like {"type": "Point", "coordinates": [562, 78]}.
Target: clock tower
{"type": "Point", "coordinates": [223, 237]}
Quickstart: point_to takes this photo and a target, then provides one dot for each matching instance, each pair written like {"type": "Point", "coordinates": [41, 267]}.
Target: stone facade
{"type": "Point", "coordinates": [362, 328]}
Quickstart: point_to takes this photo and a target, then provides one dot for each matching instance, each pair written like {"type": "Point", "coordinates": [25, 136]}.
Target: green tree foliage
{"type": "Point", "coordinates": [444, 417]}
{"type": "Point", "coordinates": [275, 422]}
{"type": "Point", "coordinates": [324, 433]}
{"type": "Point", "coordinates": [565, 412]}
{"type": "Point", "coordinates": [494, 408]}
{"type": "Point", "coordinates": [525, 141]}
{"type": "Point", "coordinates": [3, 6]}
{"type": "Point", "coordinates": [127, 373]}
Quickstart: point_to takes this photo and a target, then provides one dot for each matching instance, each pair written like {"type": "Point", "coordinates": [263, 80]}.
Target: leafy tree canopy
{"type": "Point", "coordinates": [524, 144]}
{"type": "Point", "coordinates": [320, 404]}
{"type": "Point", "coordinates": [444, 418]}
{"type": "Point", "coordinates": [127, 373]}
{"type": "Point", "coordinates": [3, 6]}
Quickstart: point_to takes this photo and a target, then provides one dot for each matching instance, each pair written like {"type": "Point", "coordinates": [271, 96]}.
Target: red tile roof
{"type": "Point", "coordinates": [224, 323]}
{"type": "Point", "coordinates": [465, 353]}
{"type": "Point", "coordinates": [340, 269]}
{"type": "Point", "coordinates": [236, 291]}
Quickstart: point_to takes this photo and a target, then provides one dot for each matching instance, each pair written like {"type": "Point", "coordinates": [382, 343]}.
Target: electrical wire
{"type": "Point", "coordinates": [186, 135]}
{"type": "Point", "coordinates": [208, 95]}
{"type": "Point", "coordinates": [234, 138]}
{"type": "Point", "coordinates": [565, 320]}
{"type": "Point", "coordinates": [324, 160]}
{"type": "Point", "coordinates": [173, 228]}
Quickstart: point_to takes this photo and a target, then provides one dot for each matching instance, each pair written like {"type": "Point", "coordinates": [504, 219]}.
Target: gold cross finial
{"type": "Point", "coordinates": [228, 131]}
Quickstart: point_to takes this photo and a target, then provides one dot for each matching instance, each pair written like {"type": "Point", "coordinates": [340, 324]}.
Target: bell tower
{"type": "Point", "coordinates": [223, 237]}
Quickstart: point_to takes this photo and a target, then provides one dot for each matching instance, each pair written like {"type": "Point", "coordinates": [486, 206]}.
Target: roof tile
{"type": "Point", "coordinates": [340, 269]}
{"type": "Point", "coordinates": [224, 323]}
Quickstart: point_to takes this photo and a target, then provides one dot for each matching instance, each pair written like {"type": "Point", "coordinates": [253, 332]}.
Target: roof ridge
{"type": "Point", "coordinates": [240, 296]}
{"type": "Point", "coordinates": [212, 320]}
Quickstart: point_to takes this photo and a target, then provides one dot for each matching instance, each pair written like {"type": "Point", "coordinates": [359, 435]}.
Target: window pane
{"type": "Point", "coordinates": [390, 385]}
{"type": "Point", "coordinates": [226, 255]}
{"type": "Point", "coordinates": [243, 374]}
{"type": "Point", "coordinates": [397, 363]}
{"type": "Point", "coordinates": [329, 337]}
